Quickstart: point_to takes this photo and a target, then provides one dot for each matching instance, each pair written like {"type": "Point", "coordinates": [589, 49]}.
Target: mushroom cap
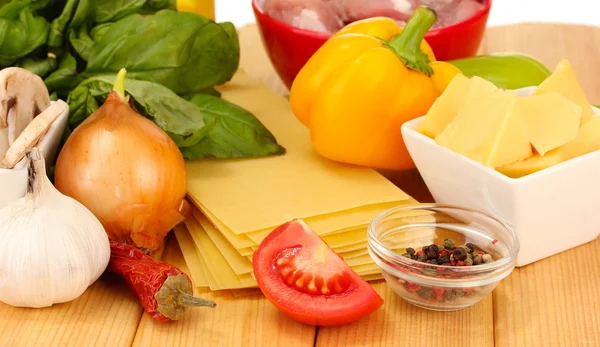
{"type": "Point", "coordinates": [23, 95]}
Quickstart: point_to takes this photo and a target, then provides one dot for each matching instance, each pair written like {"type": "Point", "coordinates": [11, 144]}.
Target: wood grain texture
{"type": "Point", "coordinates": [105, 315]}
{"type": "Point", "coordinates": [398, 323]}
{"type": "Point", "coordinates": [236, 321]}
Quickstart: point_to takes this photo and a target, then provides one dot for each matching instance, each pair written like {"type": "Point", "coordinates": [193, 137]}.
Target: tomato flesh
{"type": "Point", "coordinates": [307, 281]}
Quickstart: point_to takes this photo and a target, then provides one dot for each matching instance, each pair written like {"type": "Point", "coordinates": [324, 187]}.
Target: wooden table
{"type": "Point", "coordinates": [554, 302]}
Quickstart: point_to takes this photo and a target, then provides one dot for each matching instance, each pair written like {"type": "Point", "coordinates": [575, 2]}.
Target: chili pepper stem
{"type": "Point", "coordinates": [407, 44]}
{"type": "Point", "coordinates": [189, 300]}
{"type": "Point", "coordinates": [175, 295]}
{"type": "Point", "coordinates": [119, 86]}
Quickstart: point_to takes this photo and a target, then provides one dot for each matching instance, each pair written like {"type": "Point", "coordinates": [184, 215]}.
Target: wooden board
{"type": "Point", "coordinates": [554, 302]}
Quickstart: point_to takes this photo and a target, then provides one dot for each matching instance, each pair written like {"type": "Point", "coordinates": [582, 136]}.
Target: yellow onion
{"type": "Point", "coordinates": [126, 170]}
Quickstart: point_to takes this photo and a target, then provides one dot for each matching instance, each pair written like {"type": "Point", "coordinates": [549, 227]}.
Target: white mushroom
{"type": "Point", "coordinates": [23, 96]}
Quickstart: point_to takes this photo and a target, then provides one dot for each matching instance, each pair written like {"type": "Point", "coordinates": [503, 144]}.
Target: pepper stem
{"type": "Point", "coordinates": [175, 296]}
{"type": "Point", "coordinates": [119, 86]}
{"type": "Point", "coordinates": [189, 300]}
{"type": "Point", "coordinates": [407, 44]}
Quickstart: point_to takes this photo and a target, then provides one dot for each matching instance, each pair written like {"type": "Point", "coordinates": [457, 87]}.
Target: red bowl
{"type": "Point", "coordinates": [289, 48]}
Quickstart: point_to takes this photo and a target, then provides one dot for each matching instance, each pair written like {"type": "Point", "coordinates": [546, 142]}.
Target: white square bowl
{"type": "Point", "coordinates": [551, 210]}
{"type": "Point", "coordinates": [13, 183]}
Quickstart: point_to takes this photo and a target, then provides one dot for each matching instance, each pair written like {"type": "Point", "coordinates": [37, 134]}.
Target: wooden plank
{"type": "Point", "coordinates": [236, 321]}
{"type": "Point", "coordinates": [556, 301]}
{"type": "Point", "coordinates": [398, 323]}
{"type": "Point", "coordinates": [553, 302]}
{"type": "Point", "coordinates": [106, 314]}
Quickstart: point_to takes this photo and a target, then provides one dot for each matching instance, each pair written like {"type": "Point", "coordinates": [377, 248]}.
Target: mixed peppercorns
{"type": "Point", "coordinates": [448, 254]}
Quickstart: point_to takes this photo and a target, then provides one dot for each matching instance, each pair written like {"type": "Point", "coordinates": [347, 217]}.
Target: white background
{"type": "Point", "coordinates": [503, 11]}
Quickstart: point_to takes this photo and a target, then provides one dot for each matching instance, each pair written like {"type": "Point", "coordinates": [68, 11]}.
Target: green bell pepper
{"type": "Point", "coordinates": [505, 70]}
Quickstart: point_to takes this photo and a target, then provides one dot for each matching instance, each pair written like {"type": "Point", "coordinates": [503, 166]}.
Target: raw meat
{"type": "Point", "coordinates": [331, 15]}
{"type": "Point", "coordinates": [314, 15]}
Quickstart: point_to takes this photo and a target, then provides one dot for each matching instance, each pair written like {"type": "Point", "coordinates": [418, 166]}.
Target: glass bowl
{"type": "Point", "coordinates": [440, 287]}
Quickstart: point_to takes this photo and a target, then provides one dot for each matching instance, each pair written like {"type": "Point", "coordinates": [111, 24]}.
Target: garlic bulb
{"type": "Point", "coordinates": [51, 247]}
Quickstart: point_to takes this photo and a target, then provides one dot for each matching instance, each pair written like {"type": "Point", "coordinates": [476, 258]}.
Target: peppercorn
{"type": "Point", "coordinates": [471, 247]}
{"type": "Point", "coordinates": [459, 253]}
{"type": "Point", "coordinates": [449, 244]}
{"type": "Point", "coordinates": [443, 259]}
{"type": "Point", "coordinates": [410, 251]}
{"type": "Point", "coordinates": [434, 247]}
{"type": "Point", "coordinates": [431, 254]}
{"type": "Point", "coordinates": [422, 257]}
{"type": "Point", "coordinates": [444, 252]}
{"type": "Point", "coordinates": [487, 258]}
{"type": "Point", "coordinates": [426, 249]}
{"type": "Point", "coordinates": [426, 293]}
{"type": "Point", "coordinates": [450, 295]}
{"type": "Point", "coordinates": [477, 259]}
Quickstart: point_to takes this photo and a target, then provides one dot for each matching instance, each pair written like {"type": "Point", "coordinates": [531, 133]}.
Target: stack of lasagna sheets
{"type": "Point", "coordinates": [237, 203]}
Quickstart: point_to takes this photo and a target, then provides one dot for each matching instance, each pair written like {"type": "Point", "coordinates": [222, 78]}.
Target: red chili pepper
{"type": "Point", "coordinates": [460, 263]}
{"type": "Point", "coordinates": [439, 290]}
{"type": "Point", "coordinates": [163, 290]}
{"type": "Point", "coordinates": [419, 253]}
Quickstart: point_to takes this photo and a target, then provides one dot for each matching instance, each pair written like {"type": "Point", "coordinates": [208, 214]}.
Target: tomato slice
{"type": "Point", "coordinates": [304, 278]}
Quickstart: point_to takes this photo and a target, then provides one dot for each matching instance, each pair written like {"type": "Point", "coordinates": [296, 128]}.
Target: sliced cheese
{"type": "Point", "coordinates": [532, 164]}
{"type": "Point", "coordinates": [551, 120]}
{"type": "Point", "coordinates": [445, 107]}
{"type": "Point", "coordinates": [190, 255]}
{"type": "Point", "coordinates": [564, 82]}
{"type": "Point", "coordinates": [588, 140]}
{"type": "Point", "coordinates": [489, 128]}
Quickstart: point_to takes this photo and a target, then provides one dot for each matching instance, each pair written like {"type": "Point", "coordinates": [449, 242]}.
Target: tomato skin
{"type": "Point", "coordinates": [356, 302]}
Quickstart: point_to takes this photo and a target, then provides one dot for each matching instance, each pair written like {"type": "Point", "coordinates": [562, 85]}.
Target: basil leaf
{"type": "Point", "coordinates": [20, 34]}
{"type": "Point", "coordinates": [81, 105]}
{"type": "Point", "coordinates": [184, 52]}
{"type": "Point", "coordinates": [237, 133]}
{"type": "Point", "coordinates": [170, 112]}
{"type": "Point", "coordinates": [82, 42]}
{"type": "Point", "coordinates": [39, 66]}
{"type": "Point", "coordinates": [65, 77]}
{"type": "Point", "coordinates": [113, 10]}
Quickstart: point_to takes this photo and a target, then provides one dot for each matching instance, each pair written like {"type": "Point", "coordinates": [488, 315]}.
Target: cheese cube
{"type": "Point", "coordinates": [489, 128]}
{"type": "Point", "coordinates": [551, 120]}
{"type": "Point", "coordinates": [564, 82]}
{"type": "Point", "coordinates": [588, 140]}
{"type": "Point", "coordinates": [532, 164]}
{"type": "Point", "coordinates": [445, 107]}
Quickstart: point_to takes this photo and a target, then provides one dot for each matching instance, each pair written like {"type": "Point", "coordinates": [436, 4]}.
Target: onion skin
{"type": "Point", "coordinates": [127, 171]}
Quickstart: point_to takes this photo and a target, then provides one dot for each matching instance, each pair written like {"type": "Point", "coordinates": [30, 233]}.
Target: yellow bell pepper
{"type": "Point", "coordinates": [358, 89]}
